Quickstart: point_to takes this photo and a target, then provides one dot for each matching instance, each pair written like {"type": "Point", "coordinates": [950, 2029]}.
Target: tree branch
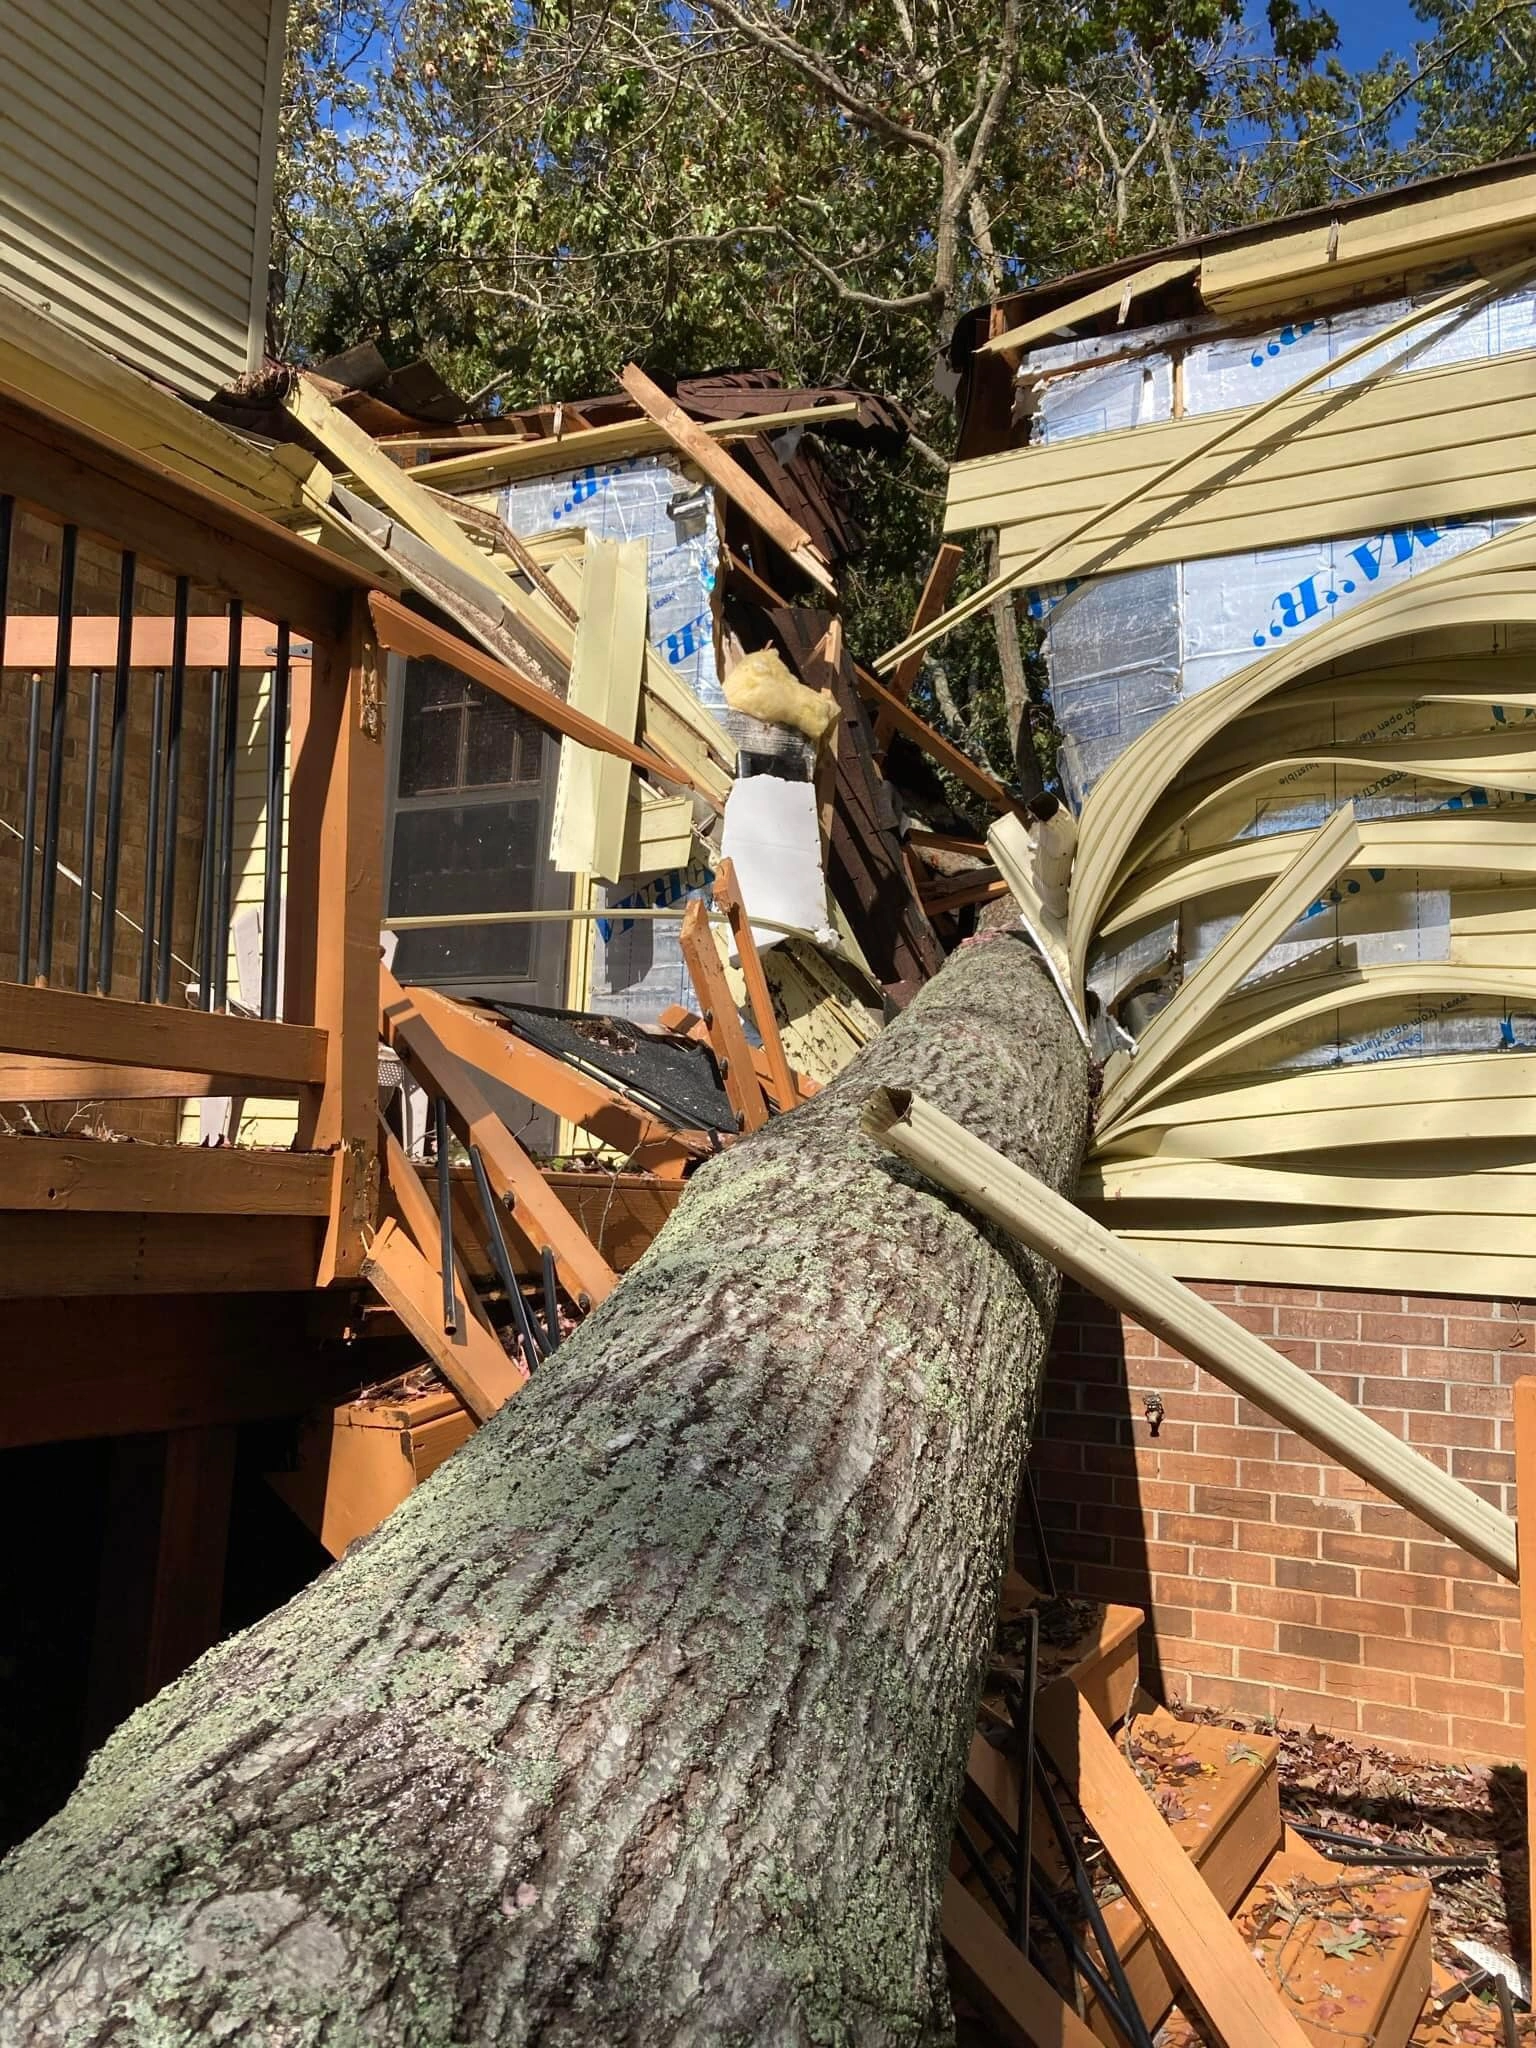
{"type": "Point", "coordinates": [819, 73]}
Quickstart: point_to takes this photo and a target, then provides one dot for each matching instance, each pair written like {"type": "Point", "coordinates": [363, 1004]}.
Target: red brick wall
{"type": "Point", "coordinates": [1275, 1582]}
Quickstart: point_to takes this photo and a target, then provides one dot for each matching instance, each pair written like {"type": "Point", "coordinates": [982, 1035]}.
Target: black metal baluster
{"type": "Point", "coordinates": [54, 802]}
{"type": "Point", "coordinates": [152, 840]}
{"type": "Point", "coordinates": [88, 834]}
{"type": "Point", "coordinates": [1087, 1899]}
{"type": "Point", "coordinates": [208, 879]}
{"type": "Point", "coordinates": [1021, 1706]}
{"type": "Point", "coordinates": [551, 1302]}
{"type": "Point", "coordinates": [29, 827]}
{"type": "Point", "coordinates": [272, 893]}
{"type": "Point", "coordinates": [172, 790]}
{"type": "Point", "coordinates": [1045, 1571]}
{"type": "Point", "coordinates": [502, 1261]}
{"type": "Point", "coordinates": [226, 860]}
{"type": "Point", "coordinates": [445, 1217]}
{"type": "Point", "coordinates": [118, 763]}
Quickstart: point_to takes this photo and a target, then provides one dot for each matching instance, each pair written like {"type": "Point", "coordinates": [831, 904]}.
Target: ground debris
{"type": "Point", "coordinates": [1382, 1798]}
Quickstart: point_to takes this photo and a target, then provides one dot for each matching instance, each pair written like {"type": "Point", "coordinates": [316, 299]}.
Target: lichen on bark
{"type": "Point", "coordinates": [643, 1721]}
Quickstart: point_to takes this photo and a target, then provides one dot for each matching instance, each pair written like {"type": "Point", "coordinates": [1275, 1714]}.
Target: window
{"type": "Point", "coordinates": [470, 829]}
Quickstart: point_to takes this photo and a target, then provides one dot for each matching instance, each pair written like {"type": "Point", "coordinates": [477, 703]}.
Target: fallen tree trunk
{"type": "Point", "coordinates": [644, 1721]}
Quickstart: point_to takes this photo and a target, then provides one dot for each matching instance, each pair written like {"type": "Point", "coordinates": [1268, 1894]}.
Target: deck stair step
{"type": "Point", "coordinates": [1094, 1645]}
{"type": "Point", "coordinates": [1220, 1794]}
{"type": "Point", "coordinates": [1218, 1791]}
{"type": "Point", "coordinates": [1349, 1947]}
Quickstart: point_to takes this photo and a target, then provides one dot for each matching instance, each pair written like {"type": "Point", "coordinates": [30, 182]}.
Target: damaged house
{"type": "Point", "coordinates": [428, 840]}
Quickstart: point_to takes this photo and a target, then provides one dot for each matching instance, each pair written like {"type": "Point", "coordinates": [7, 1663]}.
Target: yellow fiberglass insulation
{"type": "Point", "coordinates": [763, 687]}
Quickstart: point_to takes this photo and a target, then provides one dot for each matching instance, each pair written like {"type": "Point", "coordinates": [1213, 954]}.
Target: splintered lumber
{"type": "Point", "coordinates": [722, 1020]}
{"type": "Point", "coordinates": [485, 1043]}
{"type": "Point", "coordinates": [469, 1357]}
{"type": "Point", "coordinates": [1022, 2008]}
{"type": "Point", "coordinates": [935, 595]}
{"type": "Point", "coordinates": [644, 1721]}
{"type": "Point", "coordinates": [548, 454]}
{"type": "Point", "coordinates": [1244, 2008]}
{"type": "Point", "coordinates": [896, 712]}
{"type": "Point", "coordinates": [1109, 1268]}
{"type": "Point", "coordinates": [866, 865]}
{"type": "Point", "coordinates": [781, 1082]}
{"type": "Point", "coordinates": [537, 1214]}
{"type": "Point", "coordinates": [727, 475]}
{"type": "Point", "coordinates": [406, 632]}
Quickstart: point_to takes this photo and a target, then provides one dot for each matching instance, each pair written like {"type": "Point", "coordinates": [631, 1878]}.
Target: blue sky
{"type": "Point", "coordinates": [1369, 29]}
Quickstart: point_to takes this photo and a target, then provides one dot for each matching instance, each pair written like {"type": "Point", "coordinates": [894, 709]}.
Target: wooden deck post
{"type": "Point", "coordinates": [335, 897]}
{"type": "Point", "coordinates": [162, 1579]}
{"type": "Point", "coordinates": [1525, 1526]}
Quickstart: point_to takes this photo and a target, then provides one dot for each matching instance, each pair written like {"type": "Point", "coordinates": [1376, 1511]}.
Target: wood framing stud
{"type": "Point", "coordinates": [782, 1083]}
{"type": "Point", "coordinates": [727, 475]}
{"type": "Point", "coordinates": [722, 1020]}
{"type": "Point", "coordinates": [935, 595]}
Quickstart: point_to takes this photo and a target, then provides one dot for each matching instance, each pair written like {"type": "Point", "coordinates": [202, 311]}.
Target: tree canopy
{"type": "Point", "coordinates": [534, 191]}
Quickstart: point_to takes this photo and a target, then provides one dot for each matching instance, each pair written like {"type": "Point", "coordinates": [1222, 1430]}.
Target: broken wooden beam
{"type": "Point", "coordinates": [469, 1357]}
{"type": "Point", "coordinates": [727, 475]}
{"type": "Point", "coordinates": [721, 1019]}
{"type": "Point", "coordinates": [783, 1086]}
{"type": "Point", "coordinates": [536, 1213]}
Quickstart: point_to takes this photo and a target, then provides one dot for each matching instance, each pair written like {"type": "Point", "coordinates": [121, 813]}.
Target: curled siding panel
{"type": "Point", "coordinates": [135, 204]}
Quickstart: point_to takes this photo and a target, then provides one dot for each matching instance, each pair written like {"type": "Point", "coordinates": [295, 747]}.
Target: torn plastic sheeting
{"type": "Point", "coordinates": [638, 970]}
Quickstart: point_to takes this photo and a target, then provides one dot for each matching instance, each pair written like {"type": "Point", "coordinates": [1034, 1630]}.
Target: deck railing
{"type": "Point", "coordinates": [189, 717]}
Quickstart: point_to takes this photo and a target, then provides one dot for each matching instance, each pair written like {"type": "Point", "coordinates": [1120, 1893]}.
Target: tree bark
{"type": "Point", "coordinates": [645, 1720]}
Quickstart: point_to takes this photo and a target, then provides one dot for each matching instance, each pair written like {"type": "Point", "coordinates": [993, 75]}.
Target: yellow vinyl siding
{"type": "Point", "coordinates": [135, 195]}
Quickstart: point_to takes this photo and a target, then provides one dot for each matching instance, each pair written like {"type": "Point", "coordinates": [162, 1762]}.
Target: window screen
{"type": "Point", "coordinates": [469, 828]}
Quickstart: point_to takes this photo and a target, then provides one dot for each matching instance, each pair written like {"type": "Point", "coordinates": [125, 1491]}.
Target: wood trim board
{"type": "Point", "coordinates": [592, 791]}
{"type": "Point", "coordinates": [1108, 1266]}
{"type": "Point", "coordinates": [728, 476]}
{"type": "Point", "coordinates": [405, 632]}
